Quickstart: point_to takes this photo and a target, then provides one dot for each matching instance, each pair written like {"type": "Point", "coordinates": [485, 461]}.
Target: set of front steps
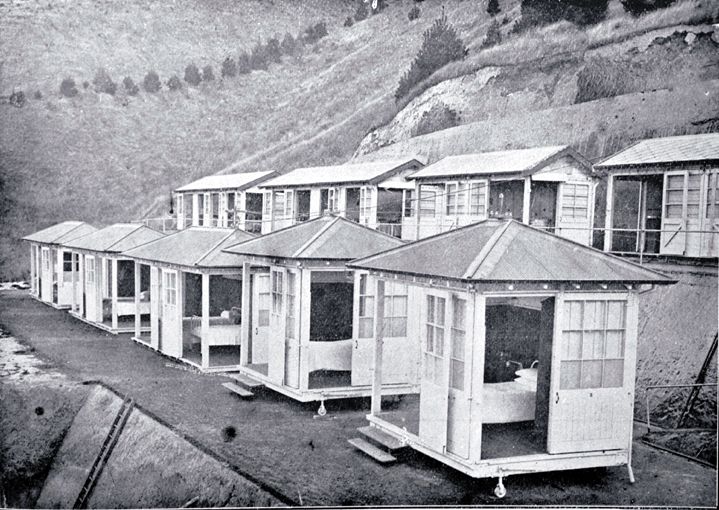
{"type": "Point", "coordinates": [377, 444]}
{"type": "Point", "coordinates": [243, 388]}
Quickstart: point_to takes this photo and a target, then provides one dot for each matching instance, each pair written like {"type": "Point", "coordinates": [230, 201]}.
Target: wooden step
{"type": "Point", "coordinates": [382, 438]}
{"type": "Point", "coordinates": [242, 392]}
{"type": "Point", "coordinates": [380, 456]}
{"type": "Point", "coordinates": [245, 380]}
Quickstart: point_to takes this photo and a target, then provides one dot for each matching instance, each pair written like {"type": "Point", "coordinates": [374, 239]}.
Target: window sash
{"type": "Point", "coordinates": [575, 200]}
{"type": "Point", "coordinates": [478, 198]}
{"type": "Point", "coordinates": [428, 201]}
{"type": "Point", "coordinates": [276, 292]}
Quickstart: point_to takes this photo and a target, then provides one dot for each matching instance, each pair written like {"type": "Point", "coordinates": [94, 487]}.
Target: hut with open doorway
{"type": "Point", "coordinates": [300, 335]}
{"type": "Point", "coordinates": [104, 279]}
{"type": "Point", "coordinates": [196, 296]}
{"type": "Point", "coordinates": [547, 187]}
{"type": "Point", "coordinates": [51, 266]}
{"type": "Point", "coordinates": [528, 346]}
{"type": "Point", "coordinates": [663, 197]}
{"type": "Point", "coordinates": [373, 193]}
{"type": "Point", "coordinates": [225, 200]}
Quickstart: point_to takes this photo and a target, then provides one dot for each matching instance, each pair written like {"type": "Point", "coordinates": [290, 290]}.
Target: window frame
{"type": "Point", "coordinates": [570, 198]}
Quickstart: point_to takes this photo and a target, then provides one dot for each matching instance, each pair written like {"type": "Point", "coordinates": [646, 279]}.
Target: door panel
{"type": "Point", "coordinates": [155, 307]}
{"type": "Point", "coordinates": [673, 238]}
{"type": "Point", "coordinates": [276, 339]}
{"type": "Point", "coordinates": [458, 408]}
{"type": "Point", "coordinates": [260, 317]}
{"type": "Point", "coordinates": [171, 326]}
{"type": "Point", "coordinates": [292, 333]}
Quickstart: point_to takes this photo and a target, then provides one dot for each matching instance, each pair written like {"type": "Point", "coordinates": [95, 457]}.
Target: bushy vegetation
{"type": "Point", "coordinates": [289, 45]}
{"type": "Point", "coordinates": [440, 46]}
{"type": "Point", "coordinates": [174, 83]}
{"type": "Point", "coordinates": [192, 75]}
{"type": "Point", "coordinates": [361, 13]}
{"type": "Point", "coordinates": [229, 68]}
{"type": "Point", "coordinates": [258, 58]}
{"type": "Point", "coordinates": [151, 83]}
{"type": "Point", "coordinates": [580, 12]}
{"type": "Point", "coordinates": [243, 63]}
{"type": "Point", "coordinates": [315, 32]}
{"type": "Point", "coordinates": [493, 7]}
{"type": "Point", "coordinates": [348, 22]}
{"type": "Point", "coordinates": [273, 50]}
{"type": "Point", "coordinates": [207, 73]}
{"type": "Point", "coordinates": [639, 7]}
{"type": "Point", "coordinates": [68, 88]}
{"type": "Point", "coordinates": [493, 36]}
{"type": "Point", "coordinates": [414, 13]}
{"type": "Point", "coordinates": [17, 99]}
{"type": "Point", "coordinates": [438, 117]}
{"type": "Point", "coordinates": [130, 86]}
{"type": "Point", "coordinates": [103, 83]}
{"type": "Point", "coordinates": [602, 78]}
{"type": "Point", "coordinates": [37, 95]}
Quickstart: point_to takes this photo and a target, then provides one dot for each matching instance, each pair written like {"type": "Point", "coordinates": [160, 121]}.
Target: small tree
{"type": "Point", "coordinates": [103, 83]}
{"type": "Point", "coordinates": [378, 6]}
{"type": "Point", "coordinates": [321, 30]}
{"type": "Point", "coordinates": [68, 88]}
{"type": "Point", "coordinates": [207, 73]}
{"type": "Point", "coordinates": [174, 83]}
{"type": "Point", "coordinates": [348, 21]}
{"type": "Point", "coordinates": [494, 35]}
{"type": "Point", "coordinates": [493, 7]}
{"type": "Point", "coordinates": [639, 7]}
{"type": "Point", "coordinates": [151, 83]}
{"type": "Point", "coordinates": [258, 58]}
{"type": "Point", "coordinates": [361, 12]}
{"type": "Point", "coordinates": [192, 75]}
{"type": "Point", "coordinates": [17, 99]}
{"type": "Point", "coordinates": [438, 117]}
{"type": "Point", "coordinates": [229, 69]}
{"type": "Point", "coordinates": [289, 45]}
{"type": "Point", "coordinates": [130, 87]}
{"type": "Point", "coordinates": [243, 63]}
{"type": "Point", "coordinates": [414, 13]}
{"type": "Point", "coordinates": [37, 95]}
{"type": "Point", "coordinates": [273, 50]}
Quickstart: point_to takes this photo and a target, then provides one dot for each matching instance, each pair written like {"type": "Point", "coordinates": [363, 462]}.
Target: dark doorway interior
{"type": "Point", "coordinates": [543, 205]}
{"type": "Point", "coordinates": [253, 214]}
{"type": "Point", "coordinates": [352, 204]}
{"type": "Point", "coordinates": [506, 199]}
{"type": "Point", "coordinates": [303, 204]}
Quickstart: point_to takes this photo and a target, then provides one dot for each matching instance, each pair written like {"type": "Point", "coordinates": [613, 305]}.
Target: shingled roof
{"type": "Point", "coordinates": [670, 149]}
{"type": "Point", "coordinates": [228, 181]}
{"type": "Point", "coordinates": [507, 251]}
{"type": "Point", "coordinates": [324, 238]}
{"type": "Point", "coordinates": [114, 238]}
{"type": "Point", "coordinates": [371, 172]}
{"type": "Point", "coordinates": [192, 247]}
{"type": "Point", "coordinates": [60, 232]}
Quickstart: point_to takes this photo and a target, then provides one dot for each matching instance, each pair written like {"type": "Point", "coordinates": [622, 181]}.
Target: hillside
{"type": "Point", "coordinates": [103, 158]}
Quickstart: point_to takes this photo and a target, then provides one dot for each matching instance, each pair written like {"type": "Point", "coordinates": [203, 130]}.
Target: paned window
{"type": "Point", "coordinates": [276, 292]}
{"type": "Point", "coordinates": [434, 341]}
{"type": "Point", "coordinates": [291, 302]}
{"type": "Point", "coordinates": [575, 201]}
{"type": "Point", "coordinates": [458, 339]}
{"type": "Point", "coordinates": [366, 308]}
{"type": "Point", "coordinates": [456, 201]}
{"type": "Point", "coordinates": [395, 310]}
{"type": "Point", "coordinates": [477, 198]}
{"type": "Point", "coordinates": [171, 288]}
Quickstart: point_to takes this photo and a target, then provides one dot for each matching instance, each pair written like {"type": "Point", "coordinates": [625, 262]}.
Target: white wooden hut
{"type": "Point", "coordinates": [104, 279]}
{"type": "Point", "coordinates": [528, 346]}
{"type": "Point", "coordinates": [300, 308]}
{"type": "Point", "coordinates": [196, 296]}
{"type": "Point", "coordinates": [547, 187]}
{"type": "Point", "coordinates": [51, 266]}
{"type": "Point", "coordinates": [373, 193]}
{"type": "Point", "coordinates": [226, 201]}
{"type": "Point", "coordinates": [663, 197]}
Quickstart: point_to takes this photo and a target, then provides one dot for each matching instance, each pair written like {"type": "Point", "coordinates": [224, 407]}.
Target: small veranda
{"type": "Point", "coordinates": [51, 266]}
{"type": "Point", "coordinates": [103, 280]}
{"type": "Point", "coordinates": [528, 347]}
{"type": "Point", "coordinates": [300, 336]}
{"type": "Point", "coordinates": [195, 294]}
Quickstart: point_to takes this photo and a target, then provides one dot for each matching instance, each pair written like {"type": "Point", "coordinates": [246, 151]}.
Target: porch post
{"type": "Point", "coordinates": [73, 274]}
{"type": "Point", "coordinates": [477, 347]}
{"type": "Point", "coordinates": [376, 406]}
{"type": "Point", "coordinates": [527, 199]}
{"type": "Point", "coordinates": [138, 283]}
{"type": "Point", "coordinates": [195, 210]}
{"type": "Point", "coordinates": [608, 214]}
{"type": "Point", "coordinates": [81, 261]}
{"type": "Point", "coordinates": [113, 290]}
{"type": "Point", "coordinates": [304, 316]}
{"type": "Point", "coordinates": [32, 269]}
{"type": "Point", "coordinates": [246, 318]}
{"type": "Point", "coordinates": [205, 325]}
{"type": "Point", "coordinates": [60, 274]}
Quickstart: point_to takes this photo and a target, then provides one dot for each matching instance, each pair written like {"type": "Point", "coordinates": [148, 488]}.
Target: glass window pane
{"type": "Point", "coordinates": [400, 306]}
{"type": "Point", "coordinates": [694, 181]}
{"type": "Point", "coordinates": [675, 181]}
{"type": "Point", "coordinates": [615, 314]}
{"type": "Point", "coordinates": [429, 345]}
{"type": "Point", "coordinates": [572, 345]}
{"type": "Point", "coordinates": [569, 375]}
{"type": "Point", "coordinates": [593, 345]}
{"type": "Point", "coordinates": [460, 311]}
{"type": "Point", "coordinates": [440, 312]}
{"type": "Point", "coordinates": [591, 374]}
{"type": "Point", "coordinates": [675, 196]}
{"type": "Point", "coordinates": [594, 314]}
{"type": "Point", "coordinates": [456, 379]}
{"type": "Point", "coordinates": [400, 327]}
{"type": "Point", "coordinates": [430, 308]}
{"type": "Point", "coordinates": [365, 328]}
{"type": "Point", "coordinates": [573, 314]}
{"type": "Point", "coordinates": [439, 342]}
{"type": "Point", "coordinates": [613, 374]}
{"type": "Point", "coordinates": [458, 345]}
{"type": "Point", "coordinates": [615, 344]}
{"type": "Point", "coordinates": [674, 211]}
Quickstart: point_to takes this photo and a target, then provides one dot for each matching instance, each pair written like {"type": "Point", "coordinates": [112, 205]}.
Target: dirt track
{"type": "Point", "coordinates": [279, 441]}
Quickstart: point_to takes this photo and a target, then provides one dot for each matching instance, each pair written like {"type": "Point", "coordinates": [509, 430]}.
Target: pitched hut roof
{"type": "Point", "coordinates": [228, 181]}
{"type": "Point", "coordinates": [349, 173]}
{"type": "Point", "coordinates": [670, 149]}
{"type": "Point", "coordinates": [115, 238]}
{"type": "Point", "coordinates": [507, 251]}
{"type": "Point", "coordinates": [324, 238]}
{"type": "Point", "coordinates": [192, 247]}
{"type": "Point", "coordinates": [61, 232]}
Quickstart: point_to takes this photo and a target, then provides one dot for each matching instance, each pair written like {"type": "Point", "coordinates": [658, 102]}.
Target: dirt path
{"type": "Point", "coordinates": [279, 441]}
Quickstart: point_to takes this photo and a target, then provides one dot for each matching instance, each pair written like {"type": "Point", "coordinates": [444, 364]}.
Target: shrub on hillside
{"type": "Point", "coordinates": [192, 75]}
{"type": "Point", "coordinates": [258, 57]}
{"type": "Point", "coordinates": [273, 50]}
{"type": "Point", "coordinates": [151, 82]}
{"type": "Point", "coordinates": [439, 117]}
{"type": "Point", "coordinates": [174, 83]}
{"type": "Point", "coordinates": [348, 22]}
{"type": "Point", "coordinates": [17, 99]}
{"type": "Point", "coordinates": [37, 95]}
{"type": "Point", "coordinates": [361, 12]}
{"type": "Point", "coordinates": [289, 44]}
{"type": "Point", "coordinates": [315, 32]}
{"type": "Point", "coordinates": [440, 46]}
{"type": "Point", "coordinates": [86, 84]}
{"type": "Point", "coordinates": [639, 7]}
{"type": "Point", "coordinates": [68, 88]}
{"type": "Point", "coordinates": [601, 78]}
{"type": "Point", "coordinates": [130, 86]}
{"type": "Point", "coordinates": [103, 83]}
{"type": "Point", "coordinates": [207, 73]}
{"type": "Point", "coordinates": [414, 13]}
{"type": "Point", "coordinates": [378, 6]}
{"type": "Point", "coordinates": [229, 68]}
{"type": "Point", "coordinates": [243, 63]}
{"type": "Point", "coordinates": [493, 7]}
{"type": "Point", "coordinates": [493, 36]}
{"type": "Point", "coordinates": [580, 12]}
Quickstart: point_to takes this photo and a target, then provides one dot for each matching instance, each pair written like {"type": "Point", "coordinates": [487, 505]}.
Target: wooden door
{"type": "Point", "coordinates": [171, 327]}
{"type": "Point", "coordinates": [155, 307]}
{"type": "Point", "coordinates": [574, 218]}
{"type": "Point", "coordinates": [292, 330]}
{"type": "Point", "coordinates": [276, 340]}
{"type": "Point", "coordinates": [710, 239]}
{"type": "Point", "coordinates": [433, 385]}
{"type": "Point", "coordinates": [260, 324]}
{"type": "Point", "coordinates": [458, 404]}
{"type": "Point", "coordinates": [363, 330]}
{"type": "Point", "coordinates": [91, 294]}
{"type": "Point", "coordinates": [46, 279]}
{"type": "Point", "coordinates": [683, 213]}
{"type": "Point", "coordinates": [592, 374]}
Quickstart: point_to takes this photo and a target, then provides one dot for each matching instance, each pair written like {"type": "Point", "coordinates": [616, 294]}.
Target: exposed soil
{"type": "Point", "coordinates": [308, 459]}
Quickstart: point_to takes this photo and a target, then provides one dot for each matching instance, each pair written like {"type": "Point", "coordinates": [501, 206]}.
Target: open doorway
{"type": "Point", "coordinates": [506, 199]}
{"type": "Point", "coordinates": [331, 329]}
{"type": "Point", "coordinates": [303, 204]}
{"type": "Point", "coordinates": [515, 398]}
{"type": "Point", "coordinates": [637, 206]}
{"type": "Point", "coordinates": [543, 205]}
{"type": "Point", "coordinates": [352, 204]}
{"type": "Point", "coordinates": [253, 212]}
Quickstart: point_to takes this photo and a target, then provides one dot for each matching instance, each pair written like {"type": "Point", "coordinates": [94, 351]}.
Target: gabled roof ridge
{"type": "Point", "coordinates": [73, 229]}
{"type": "Point", "coordinates": [636, 142]}
{"type": "Point", "coordinates": [274, 233]}
{"type": "Point", "coordinates": [486, 249]}
{"type": "Point", "coordinates": [314, 237]}
{"type": "Point", "coordinates": [565, 150]}
{"type": "Point", "coordinates": [214, 247]}
{"type": "Point", "coordinates": [140, 225]}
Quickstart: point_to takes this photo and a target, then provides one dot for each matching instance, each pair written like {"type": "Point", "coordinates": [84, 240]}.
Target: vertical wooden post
{"type": "Point", "coordinates": [73, 274]}
{"type": "Point", "coordinates": [60, 274]}
{"type": "Point", "coordinates": [246, 317]}
{"type": "Point", "coordinates": [113, 291]}
{"type": "Point", "coordinates": [138, 283]}
{"type": "Point", "coordinates": [32, 269]}
{"type": "Point", "coordinates": [477, 342]}
{"type": "Point", "coordinates": [527, 200]}
{"type": "Point", "coordinates": [205, 325]}
{"type": "Point", "coordinates": [376, 406]}
{"type": "Point", "coordinates": [81, 308]}
{"type": "Point", "coordinates": [608, 214]}
{"type": "Point", "coordinates": [195, 209]}
{"type": "Point", "coordinates": [304, 292]}
{"type": "Point", "coordinates": [100, 276]}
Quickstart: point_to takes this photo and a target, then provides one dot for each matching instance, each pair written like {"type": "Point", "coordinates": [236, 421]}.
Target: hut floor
{"type": "Point", "coordinates": [127, 321]}
{"type": "Point", "coordinates": [329, 379]}
{"type": "Point", "coordinates": [500, 440]}
{"type": "Point", "coordinates": [403, 413]}
{"type": "Point", "coordinates": [260, 368]}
